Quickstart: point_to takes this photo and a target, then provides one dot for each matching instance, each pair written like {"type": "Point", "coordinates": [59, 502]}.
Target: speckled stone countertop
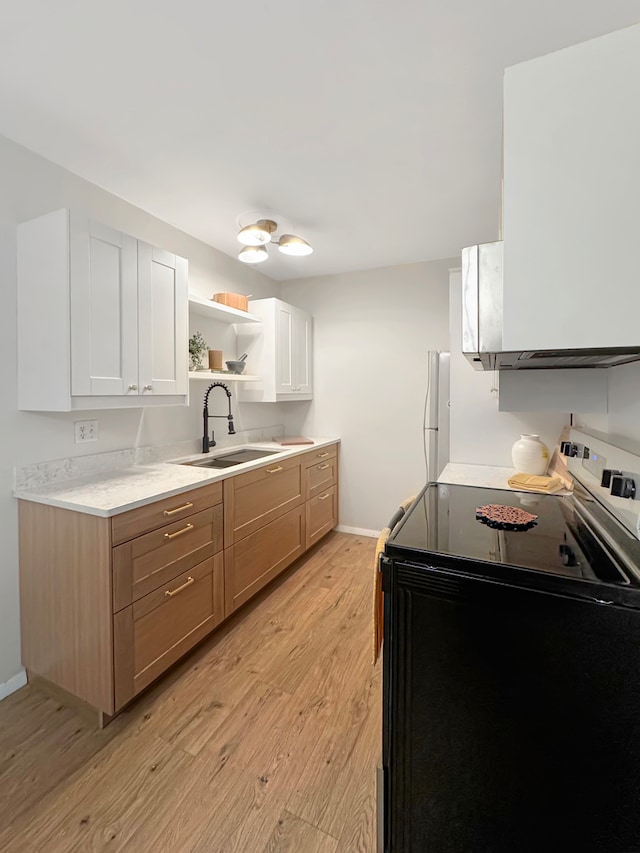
{"type": "Point", "coordinates": [113, 492]}
{"type": "Point", "coordinates": [489, 476]}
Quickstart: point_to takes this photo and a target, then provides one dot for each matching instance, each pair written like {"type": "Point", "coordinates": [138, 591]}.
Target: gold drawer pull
{"type": "Point", "coordinates": [187, 583]}
{"type": "Point", "coordinates": [323, 455]}
{"type": "Point", "coordinates": [274, 470]}
{"type": "Point", "coordinates": [323, 467]}
{"type": "Point", "coordinates": [188, 505]}
{"type": "Point", "coordinates": [179, 532]}
{"type": "Point", "coordinates": [324, 497]}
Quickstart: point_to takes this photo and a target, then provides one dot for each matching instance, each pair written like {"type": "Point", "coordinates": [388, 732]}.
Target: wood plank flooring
{"type": "Point", "coordinates": [266, 738]}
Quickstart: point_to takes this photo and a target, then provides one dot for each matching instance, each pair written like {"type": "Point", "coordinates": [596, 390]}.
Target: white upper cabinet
{"type": "Point", "coordinates": [102, 318]}
{"type": "Point", "coordinates": [103, 282]}
{"type": "Point", "coordinates": [280, 350]}
{"type": "Point", "coordinates": [163, 319]}
{"type": "Point", "coordinates": [572, 197]}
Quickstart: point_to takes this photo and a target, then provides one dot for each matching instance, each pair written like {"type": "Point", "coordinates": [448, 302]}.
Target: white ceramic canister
{"type": "Point", "coordinates": [530, 455]}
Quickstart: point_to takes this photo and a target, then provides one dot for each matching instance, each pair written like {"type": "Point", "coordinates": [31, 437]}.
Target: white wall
{"type": "Point", "coordinates": [372, 331]}
{"type": "Point", "coordinates": [32, 186]}
{"type": "Point", "coordinates": [480, 433]}
{"type": "Point", "coordinates": [624, 404]}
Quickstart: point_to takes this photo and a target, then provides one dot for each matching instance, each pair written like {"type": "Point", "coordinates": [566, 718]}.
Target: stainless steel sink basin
{"type": "Point", "coordinates": [227, 460]}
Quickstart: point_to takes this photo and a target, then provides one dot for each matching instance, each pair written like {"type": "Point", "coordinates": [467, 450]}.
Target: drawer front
{"type": "Point", "coordinates": [134, 523]}
{"type": "Point", "coordinates": [314, 457]}
{"type": "Point", "coordinates": [154, 632]}
{"type": "Point", "coordinates": [256, 498]}
{"type": "Point", "coordinates": [320, 476]}
{"type": "Point", "coordinates": [322, 515]}
{"type": "Point", "coordinates": [260, 557]}
{"type": "Point", "coordinates": [145, 563]}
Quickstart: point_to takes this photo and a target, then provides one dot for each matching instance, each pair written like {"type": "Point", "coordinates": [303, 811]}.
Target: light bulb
{"type": "Point", "coordinates": [289, 244]}
{"type": "Point", "coordinates": [253, 254]}
{"type": "Point", "coordinates": [257, 234]}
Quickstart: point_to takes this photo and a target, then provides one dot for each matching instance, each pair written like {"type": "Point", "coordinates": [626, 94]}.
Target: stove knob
{"type": "Point", "coordinates": [607, 474]}
{"type": "Point", "coordinates": [623, 487]}
{"type": "Point", "coordinates": [568, 448]}
{"type": "Point", "coordinates": [567, 555]}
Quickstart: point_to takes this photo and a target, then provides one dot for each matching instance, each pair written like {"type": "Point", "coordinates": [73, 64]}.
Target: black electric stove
{"type": "Point", "coordinates": [511, 677]}
{"type": "Point", "coordinates": [572, 537]}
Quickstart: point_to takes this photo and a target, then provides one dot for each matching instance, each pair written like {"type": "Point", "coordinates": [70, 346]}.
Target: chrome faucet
{"type": "Point", "coordinates": [208, 443]}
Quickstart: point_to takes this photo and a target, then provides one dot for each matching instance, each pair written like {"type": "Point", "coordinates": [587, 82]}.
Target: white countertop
{"type": "Point", "coordinates": [489, 476]}
{"type": "Point", "coordinates": [114, 492]}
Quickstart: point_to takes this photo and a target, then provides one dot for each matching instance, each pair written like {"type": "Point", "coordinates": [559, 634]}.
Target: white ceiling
{"type": "Point", "coordinates": [373, 126]}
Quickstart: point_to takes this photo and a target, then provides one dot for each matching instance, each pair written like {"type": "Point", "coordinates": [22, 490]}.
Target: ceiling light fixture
{"type": "Point", "coordinates": [256, 236]}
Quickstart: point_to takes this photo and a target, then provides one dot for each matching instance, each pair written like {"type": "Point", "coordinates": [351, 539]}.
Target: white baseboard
{"type": "Point", "coordinates": [15, 683]}
{"type": "Point", "coordinates": [358, 531]}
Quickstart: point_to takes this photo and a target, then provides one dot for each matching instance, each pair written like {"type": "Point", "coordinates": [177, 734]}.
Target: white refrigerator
{"type": "Point", "coordinates": [436, 414]}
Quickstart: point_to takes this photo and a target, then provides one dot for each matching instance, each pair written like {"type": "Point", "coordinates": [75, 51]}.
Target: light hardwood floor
{"type": "Point", "coordinates": [266, 738]}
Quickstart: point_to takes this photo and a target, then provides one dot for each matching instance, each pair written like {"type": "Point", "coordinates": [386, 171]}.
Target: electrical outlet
{"type": "Point", "coordinates": [86, 431]}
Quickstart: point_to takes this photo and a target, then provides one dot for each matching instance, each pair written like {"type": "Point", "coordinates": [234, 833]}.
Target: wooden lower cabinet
{"type": "Point", "coordinates": [258, 558]}
{"type": "Point", "coordinates": [108, 604]}
{"type": "Point", "coordinates": [155, 631]}
{"type": "Point", "coordinates": [322, 515]}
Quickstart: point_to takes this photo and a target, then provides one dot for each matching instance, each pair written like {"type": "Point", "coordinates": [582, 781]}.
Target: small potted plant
{"type": "Point", "coordinates": [197, 348]}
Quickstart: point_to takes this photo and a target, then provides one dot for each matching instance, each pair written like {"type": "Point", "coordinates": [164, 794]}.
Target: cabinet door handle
{"type": "Point", "coordinates": [274, 470]}
{"type": "Point", "coordinates": [170, 592]}
{"type": "Point", "coordinates": [148, 388]}
{"type": "Point", "coordinates": [323, 467]}
{"type": "Point", "coordinates": [179, 532]}
{"type": "Point", "coordinates": [324, 497]}
{"type": "Point", "coordinates": [323, 455]}
{"type": "Point", "coordinates": [188, 505]}
{"type": "Point", "coordinates": [133, 387]}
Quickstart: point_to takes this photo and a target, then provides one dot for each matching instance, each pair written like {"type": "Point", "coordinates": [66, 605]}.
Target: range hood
{"type": "Point", "coordinates": [482, 320]}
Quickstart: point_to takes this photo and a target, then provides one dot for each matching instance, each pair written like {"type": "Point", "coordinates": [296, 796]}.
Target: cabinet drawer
{"type": "Point", "coordinates": [260, 557]}
{"type": "Point", "coordinates": [322, 515]}
{"type": "Point", "coordinates": [146, 562]}
{"type": "Point", "coordinates": [157, 630]}
{"type": "Point", "coordinates": [320, 476]}
{"type": "Point", "coordinates": [258, 497]}
{"type": "Point", "coordinates": [130, 524]}
{"type": "Point", "coordinates": [321, 455]}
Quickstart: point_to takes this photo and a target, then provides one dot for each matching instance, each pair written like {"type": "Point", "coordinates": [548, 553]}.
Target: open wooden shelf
{"type": "Point", "coordinates": [221, 313]}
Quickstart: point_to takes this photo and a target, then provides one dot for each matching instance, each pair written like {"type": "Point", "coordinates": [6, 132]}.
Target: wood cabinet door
{"type": "Point", "coordinates": [254, 499]}
{"type": "Point", "coordinates": [154, 632]}
{"type": "Point", "coordinates": [163, 322]}
{"type": "Point", "coordinates": [322, 515]}
{"type": "Point", "coordinates": [104, 309]}
{"type": "Point", "coordinates": [320, 476]}
{"type": "Point", "coordinates": [155, 559]}
{"type": "Point", "coordinates": [255, 560]}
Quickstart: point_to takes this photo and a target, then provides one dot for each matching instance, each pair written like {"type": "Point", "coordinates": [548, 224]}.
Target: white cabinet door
{"type": "Point", "coordinates": [302, 352]}
{"type": "Point", "coordinates": [104, 309]}
{"type": "Point", "coordinates": [280, 352]}
{"type": "Point", "coordinates": [162, 322]}
{"type": "Point", "coordinates": [284, 347]}
{"type": "Point", "coordinates": [572, 197]}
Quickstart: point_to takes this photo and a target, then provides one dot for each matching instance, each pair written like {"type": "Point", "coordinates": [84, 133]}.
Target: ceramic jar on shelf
{"type": "Point", "coordinates": [530, 455]}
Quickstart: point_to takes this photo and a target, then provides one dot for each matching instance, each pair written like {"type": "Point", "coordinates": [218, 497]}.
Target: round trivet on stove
{"type": "Point", "coordinates": [505, 517]}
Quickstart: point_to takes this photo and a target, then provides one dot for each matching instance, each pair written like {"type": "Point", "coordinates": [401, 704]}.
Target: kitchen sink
{"type": "Point", "coordinates": [227, 460]}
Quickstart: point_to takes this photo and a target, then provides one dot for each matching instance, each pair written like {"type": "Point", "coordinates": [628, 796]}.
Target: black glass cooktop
{"type": "Point", "coordinates": [566, 539]}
